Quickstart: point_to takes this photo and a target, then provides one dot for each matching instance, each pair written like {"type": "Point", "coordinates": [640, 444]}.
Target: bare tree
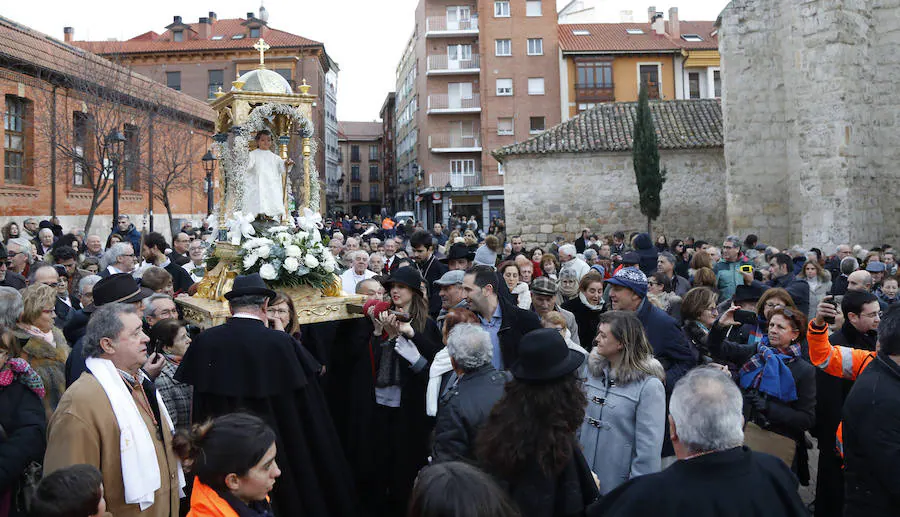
{"type": "Point", "coordinates": [173, 153]}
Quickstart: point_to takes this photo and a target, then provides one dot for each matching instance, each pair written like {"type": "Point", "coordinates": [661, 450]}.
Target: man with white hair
{"type": "Point", "coordinates": [9, 278]}
{"type": "Point", "coordinates": [358, 270]}
{"type": "Point", "coordinates": [20, 253]}
{"type": "Point", "coordinates": [119, 258]}
{"type": "Point", "coordinates": [44, 243]}
{"type": "Point", "coordinates": [567, 259]}
{"type": "Point", "coordinates": [94, 247]}
{"type": "Point", "coordinates": [715, 472]}
{"type": "Point", "coordinates": [469, 397]}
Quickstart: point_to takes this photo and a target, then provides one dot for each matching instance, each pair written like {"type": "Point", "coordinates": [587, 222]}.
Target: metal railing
{"type": "Point", "coordinates": [442, 63]}
{"type": "Point", "coordinates": [456, 180]}
{"type": "Point", "coordinates": [442, 101]}
{"type": "Point", "coordinates": [442, 24]}
{"type": "Point", "coordinates": [454, 141]}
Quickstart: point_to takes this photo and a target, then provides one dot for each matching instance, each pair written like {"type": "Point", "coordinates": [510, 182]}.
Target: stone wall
{"type": "Point", "coordinates": [560, 194]}
{"type": "Point", "coordinates": [810, 108]}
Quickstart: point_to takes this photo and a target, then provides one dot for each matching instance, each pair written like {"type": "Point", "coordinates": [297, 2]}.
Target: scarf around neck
{"type": "Point", "coordinates": [33, 331]}
{"type": "Point", "coordinates": [587, 304]}
{"type": "Point", "coordinates": [767, 371]}
{"type": "Point", "coordinates": [19, 370]}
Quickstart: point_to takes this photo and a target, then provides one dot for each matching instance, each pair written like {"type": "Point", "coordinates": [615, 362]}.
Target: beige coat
{"type": "Point", "coordinates": [49, 362]}
{"type": "Point", "coordinates": [84, 430]}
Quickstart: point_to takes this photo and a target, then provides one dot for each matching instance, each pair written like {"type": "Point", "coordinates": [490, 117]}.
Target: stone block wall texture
{"type": "Point", "coordinates": [560, 194]}
{"type": "Point", "coordinates": [810, 112]}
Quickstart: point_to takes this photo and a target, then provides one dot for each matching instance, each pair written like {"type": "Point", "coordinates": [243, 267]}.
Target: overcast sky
{"type": "Point", "coordinates": [365, 37]}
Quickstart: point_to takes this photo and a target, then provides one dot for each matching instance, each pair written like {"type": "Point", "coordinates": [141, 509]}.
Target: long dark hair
{"type": "Point", "coordinates": [293, 324]}
{"type": "Point", "coordinates": [418, 308]}
{"type": "Point", "coordinates": [532, 422]}
{"type": "Point", "coordinates": [164, 332]}
{"type": "Point", "coordinates": [454, 489]}
{"type": "Point", "coordinates": [232, 443]}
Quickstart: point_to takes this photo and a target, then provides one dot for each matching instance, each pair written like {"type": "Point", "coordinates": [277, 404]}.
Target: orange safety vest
{"type": "Point", "coordinates": [387, 224]}
{"type": "Point", "coordinates": [837, 361]}
{"type": "Point", "coordinates": [205, 502]}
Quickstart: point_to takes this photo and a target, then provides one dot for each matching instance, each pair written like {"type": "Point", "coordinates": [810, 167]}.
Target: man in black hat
{"type": "Point", "coordinates": [119, 288]}
{"type": "Point", "coordinates": [9, 278]}
{"type": "Point", "coordinates": [459, 257]}
{"type": "Point", "coordinates": [544, 298]}
{"type": "Point", "coordinates": [244, 365]}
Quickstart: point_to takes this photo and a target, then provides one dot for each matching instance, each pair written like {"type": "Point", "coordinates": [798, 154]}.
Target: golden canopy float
{"type": "Point", "coordinates": [256, 231]}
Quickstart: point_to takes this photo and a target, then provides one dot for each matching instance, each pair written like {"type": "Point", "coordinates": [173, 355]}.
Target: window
{"type": "Point", "coordinates": [694, 85]}
{"type": "Point", "coordinates": [535, 46]}
{"type": "Point", "coordinates": [238, 36]}
{"type": "Point", "coordinates": [503, 47]}
{"type": "Point", "coordinates": [132, 158]}
{"type": "Point", "coordinates": [81, 123]}
{"type": "Point", "coordinates": [649, 75]}
{"type": "Point", "coordinates": [217, 38]}
{"type": "Point", "coordinates": [505, 126]}
{"type": "Point", "coordinates": [634, 32]}
{"type": "Point", "coordinates": [373, 192]}
{"type": "Point", "coordinates": [717, 84]}
{"type": "Point", "coordinates": [500, 170]}
{"type": "Point", "coordinates": [354, 153]}
{"type": "Point", "coordinates": [581, 32]}
{"type": "Point", "coordinates": [373, 172]}
{"type": "Point", "coordinates": [536, 125]}
{"type": "Point", "coordinates": [594, 74]}
{"type": "Point", "coordinates": [14, 139]}
{"type": "Point", "coordinates": [501, 9]}
{"type": "Point", "coordinates": [462, 167]}
{"type": "Point", "coordinates": [533, 8]}
{"type": "Point", "coordinates": [354, 172]}
{"type": "Point", "coordinates": [216, 81]}
{"type": "Point", "coordinates": [354, 193]}
{"type": "Point", "coordinates": [535, 86]}
{"type": "Point", "coordinates": [287, 74]}
{"type": "Point", "coordinates": [504, 87]}
{"type": "Point", "coordinates": [173, 80]}
{"type": "Point", "coordinates": [693, 38]}
{"type": "Point", "coordinates": [254, 32]}
{"type": "Point", "coordinates": [178, 36]}
{"type": "Point", "coordinates": [373, 152]}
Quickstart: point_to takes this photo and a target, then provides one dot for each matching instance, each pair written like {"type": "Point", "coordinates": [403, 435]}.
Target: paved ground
{"type": "Point", "coordinates": [808, 493]}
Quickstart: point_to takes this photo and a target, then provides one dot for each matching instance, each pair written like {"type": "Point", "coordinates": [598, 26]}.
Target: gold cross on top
{"type": "Point", "coordinates": [262, 47]}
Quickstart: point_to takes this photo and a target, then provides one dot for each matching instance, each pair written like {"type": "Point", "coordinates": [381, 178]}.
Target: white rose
{"type": "Point", "coordinates": [301, 235]}
{"type": "Point", "coordinates": [267, 271]}
{"type": "Point", "coordinates": [291, 264]}
{"type": "Point", "coordinates": [329, 266]}
{"type": "Point", "coordinates": [264, 251]}
{"type": "Point", "coordinates": [250, 259]}
{"type": "Point", "coordinates": [311, 261]}
{"type": "Point", "coordinates": [284, 238]}
{"type": "Point", "coordinates": [293, 251]}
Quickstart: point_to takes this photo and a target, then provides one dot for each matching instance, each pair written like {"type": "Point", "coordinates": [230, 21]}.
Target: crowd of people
{"type": "Point", "coordinates": [602, 376]}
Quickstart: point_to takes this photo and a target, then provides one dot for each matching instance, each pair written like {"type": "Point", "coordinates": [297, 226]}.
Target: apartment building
{"type": "Point", "coordinates": [199, 58]}
{"type": "Point", "coordinates": [332, 147]}
{"type": "Point", "coordinates": [362, 188]}
{"type": "Point", "coordinates": [608, 62]}
{"type": "Point", "coordinates": [389, 179]}
{"type": "Point", "coordinates": [474, 77]}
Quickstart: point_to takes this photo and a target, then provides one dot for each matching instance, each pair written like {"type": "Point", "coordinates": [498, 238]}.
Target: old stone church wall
{"type": "Point", "coordinates": [560, 194]}
{"type": "Point", "coordinates": [810, 108]}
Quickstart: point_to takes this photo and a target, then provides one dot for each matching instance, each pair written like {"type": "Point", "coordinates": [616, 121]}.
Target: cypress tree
{"type": "Point", "coordinates": [645, 155]}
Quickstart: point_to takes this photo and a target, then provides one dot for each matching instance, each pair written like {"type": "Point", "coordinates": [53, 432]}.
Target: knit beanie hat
{"type": "Point", "coordinates": [632, 278]}
{"type": "Point", "coordinates": [485, 256]}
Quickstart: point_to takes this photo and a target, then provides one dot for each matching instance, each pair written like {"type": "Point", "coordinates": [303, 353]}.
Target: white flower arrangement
{"type": "Point", "coordinates": [288, 257]}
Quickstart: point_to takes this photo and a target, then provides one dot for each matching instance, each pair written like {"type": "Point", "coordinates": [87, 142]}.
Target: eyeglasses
{"type": "Point", "coordinates": [48, 311]}
{"type": "Point", "coordinates": [771, 305]}
{"type": "Point", "coordinates": [713, 309]}
{"type": "Point", "coordinates": [728, 247]}
{"type": "Point", "coordinates": [281, 312]}
{"type": "Point", "coordinates": [873, 314]}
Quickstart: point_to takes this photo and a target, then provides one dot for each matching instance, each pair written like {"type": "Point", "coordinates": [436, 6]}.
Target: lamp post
{"type": "Point", "coordinates": [115, 142]}
{"type": "Point", "coordinates": [209, 165]}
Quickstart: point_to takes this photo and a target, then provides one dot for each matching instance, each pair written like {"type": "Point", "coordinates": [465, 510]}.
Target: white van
{"type": "Point", "coordinates": [402, 217]}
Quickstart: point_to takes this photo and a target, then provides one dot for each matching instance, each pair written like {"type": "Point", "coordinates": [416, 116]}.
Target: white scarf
{"type": "Point", "coordinates": [140, 469]}
{"type": "Point", "coordinates": [439, 367]}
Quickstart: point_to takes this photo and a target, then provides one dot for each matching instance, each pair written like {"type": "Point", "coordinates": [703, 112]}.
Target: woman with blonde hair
{"type": "Point", "coordinates": [819, 282]}
{"type": "Point", "coordinates": [41, 343]}
{"type": "Point", "coordinates": [623, 430]}
{"type": "Point", "coordinates": [704, 277]}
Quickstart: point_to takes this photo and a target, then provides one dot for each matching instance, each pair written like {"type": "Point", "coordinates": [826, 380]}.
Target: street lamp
{"type": "Point", "coordinates": [115, 143]}
{"type": "Point", "coordinates": [209, 165]}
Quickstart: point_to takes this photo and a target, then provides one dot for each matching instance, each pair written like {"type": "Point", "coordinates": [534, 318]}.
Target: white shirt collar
{"type": "Point", "coordinates": [245, 316]}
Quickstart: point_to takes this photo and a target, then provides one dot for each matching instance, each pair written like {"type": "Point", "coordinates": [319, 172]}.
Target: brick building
{"type": "Point", "coordinates": [474, 77]}
{"type": "Point", "coordinates": [59, 102]}
{"type": "Point", "coordinates": [362, 186]}
{"type": "Point", "coordinates": [387, 145]}
{"type": "Point", "coordinates": [199, 58]}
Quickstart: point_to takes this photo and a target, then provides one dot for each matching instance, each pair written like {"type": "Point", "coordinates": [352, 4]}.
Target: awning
{"type": "Point", "coordinates": [702, 58]}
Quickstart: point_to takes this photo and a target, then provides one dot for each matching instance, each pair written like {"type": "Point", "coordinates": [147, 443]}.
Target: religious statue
{"type": "Point", "coordinates": [264, 180]}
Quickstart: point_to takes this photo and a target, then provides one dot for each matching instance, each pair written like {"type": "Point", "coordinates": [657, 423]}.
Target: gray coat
{"type": "Point", "coordinates": [622, 434]}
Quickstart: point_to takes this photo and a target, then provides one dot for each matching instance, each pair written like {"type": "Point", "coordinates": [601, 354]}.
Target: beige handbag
{"type": "Point", "coordinates": [760, 440]}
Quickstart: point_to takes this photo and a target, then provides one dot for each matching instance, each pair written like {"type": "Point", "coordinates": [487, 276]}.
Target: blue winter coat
{"type": "Point", "coordinates": [670, 346]}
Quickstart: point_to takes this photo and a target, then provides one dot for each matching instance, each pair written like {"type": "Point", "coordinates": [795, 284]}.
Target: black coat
{"type": "Point", "coordinates": [462, 410]}
{"type": "Point", "coordinates": [737, 483]}
{"type": "Point", "coordinates": [796, 287]}
{"type": "Point", "coordinates": [76, 327]}
{"type": "Point", "coordinates": [242, 365]}
{"type": "Point", "coordinates": [586, 319]}
{"type": "Point", "coordinates": [433, 270]}
{"type": "Point", "coordinates": [872, 441]}
{"type": "Point", "coordinates": [181, 280]}
{"type": "Point", "coordinates": [25, 426]}
{"type": "Point", "coordinates": [14, 280]}
{"type": "Point", "coordinates": [515, 323]}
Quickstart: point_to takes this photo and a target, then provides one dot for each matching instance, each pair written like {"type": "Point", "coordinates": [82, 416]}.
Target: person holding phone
{"type": "Point", "coordinates": [170, 338]}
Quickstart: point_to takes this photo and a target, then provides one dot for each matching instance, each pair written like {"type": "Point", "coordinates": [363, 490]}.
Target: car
{"type": "Point", "coordinates": [402, 217]}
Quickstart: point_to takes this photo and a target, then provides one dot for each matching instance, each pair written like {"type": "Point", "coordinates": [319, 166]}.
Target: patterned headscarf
{"type": "Point", "coordinates": [19, 369]}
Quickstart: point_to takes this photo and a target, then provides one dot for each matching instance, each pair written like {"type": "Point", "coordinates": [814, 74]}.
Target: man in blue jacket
{"type": "Point", "coordinates": [128, 232]}
{"type": "Point", "coordinates": [728, 269]}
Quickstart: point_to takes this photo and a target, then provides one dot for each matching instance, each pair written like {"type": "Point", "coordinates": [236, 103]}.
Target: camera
{"type": "Point", "coordinates": [747, 268]}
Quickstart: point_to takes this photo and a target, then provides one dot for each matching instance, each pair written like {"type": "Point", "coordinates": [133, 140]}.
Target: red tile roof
{"type": "Point", "coordinates": [150, 42]}
{"type": "Point", "coordinates": [359, 130]}
{"type": "Point", "coordinates": [613, 38]}
{"type": "Point", "coordinates": [20, 45]}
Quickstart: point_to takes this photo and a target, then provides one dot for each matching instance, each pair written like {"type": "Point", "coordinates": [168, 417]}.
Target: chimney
{"type": "Point", "coordinates": [68, 34]}
{"type": "Point", "coordinates": [674, 24]}
{"type": "Point", "coordinates": [651, 13]}
{"type": "Point", "coordinates": [212, 17]}
{"type": "Point", "coordinates": [203, 28]}
{"type": "Point", "coordinates": [250, 16]}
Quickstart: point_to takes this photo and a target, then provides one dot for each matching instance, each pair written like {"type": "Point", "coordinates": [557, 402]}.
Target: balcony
{"type": "Point", "coordinates": [455, 143]}
{"type": "Point", "coordinates": [595, 93]}
{"type": "Point", "coordinates": [440, 64]}
{"type": "Point", "coordinates": [439, 180]}
{"type": "Point", "coordinates": [443, 27]}
{"type": "Point", "coordinates": [443, 103]}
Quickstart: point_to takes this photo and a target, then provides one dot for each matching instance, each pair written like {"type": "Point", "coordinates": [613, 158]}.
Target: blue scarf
{"type": "Point", "coordinates": [767, 372]}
